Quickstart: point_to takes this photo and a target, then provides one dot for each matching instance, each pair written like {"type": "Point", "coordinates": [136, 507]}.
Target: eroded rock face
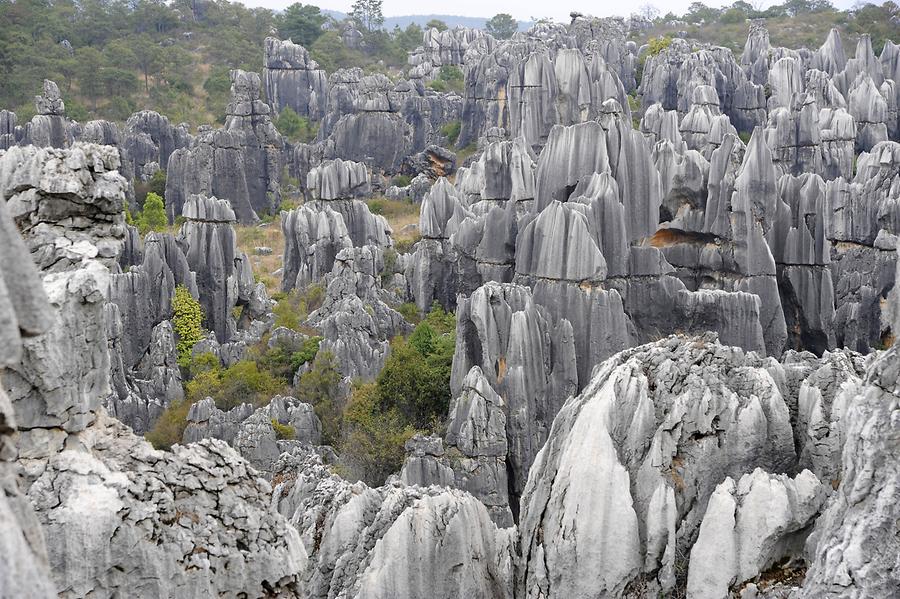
{"type": "Point", "coordinates": [749, 526]}
{"type": "Point", "coordinates": [24, 311]}
{"type": "Point", "coordinates": [854, 547]}
{"type": "Point", "coordinates": [49, 127]}
{"type": "Point", "coordinates": [528, 360]}
{"type": "Point", "coordinates": [662, 448]}
{"type": "Point", "coordinates": [205, 529]}
{"type": "Point", "coordinates": [391, 541]}
{"type": "Point", "coordinates": [66, 203]}
{"type": "Point", "coordinates": [223, 273]}
{"type": "Point", "coordinates": [292, 79]}
{"type": "Point", "coordinates": [355, 319]}
{"type": "Point", "coordinates": [240, 162]}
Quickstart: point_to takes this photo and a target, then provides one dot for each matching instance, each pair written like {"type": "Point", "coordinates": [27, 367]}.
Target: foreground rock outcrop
{"type": "Point", "coordinates": [119, 516]}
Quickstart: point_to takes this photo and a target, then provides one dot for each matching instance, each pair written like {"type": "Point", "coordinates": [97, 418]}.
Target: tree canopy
{"type": "Point", "coordinates": [502, 26]}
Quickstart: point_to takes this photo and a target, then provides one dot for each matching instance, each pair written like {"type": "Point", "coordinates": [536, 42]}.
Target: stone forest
{"type": "Point", "coordinates": [560, 313]}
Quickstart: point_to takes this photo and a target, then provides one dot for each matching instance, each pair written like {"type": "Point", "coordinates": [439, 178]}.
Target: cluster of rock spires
{"type": "Point", "coordinates": [655, 387]}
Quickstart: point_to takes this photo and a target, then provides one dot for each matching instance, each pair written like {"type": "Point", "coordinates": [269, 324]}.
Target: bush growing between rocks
{"type": "Point", "coordinates": [284, 432]}
{"type": "Point", "coordinates": [187, 323]}
{"type": "Point", "coordinates": [415, 379]}
{"type": "Point", "coordinates": [451, 131]}
{"type": "Point", "coordinates": [153, 216]}
{"type": "Point", "coordinates": [320, 387]}
{"type": "Point", "coordinates": [292, 308]}
{"type": "Point", "coordinates": [295, 127]}
{"type": "Point", "coordinates": [241, 383]}
{"type": "Point", "coordinates": [658, 44]}
{"type": "Point", "coordinates": [170, 426]}
{"type": "Point", "coordinates": [283, 360]}
{"type": "Point", "coordinates": [372, 447]}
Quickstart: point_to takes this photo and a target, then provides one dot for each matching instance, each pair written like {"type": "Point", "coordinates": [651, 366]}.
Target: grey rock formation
{"type": "Point", "coordinates": [338, 180]}
{"type": "Point", "coordinates": [355, 321]}
{"type": "Point", "coordinates": [477, 430]}
{"type": "Point", "coordinates": [49, 126]}
{"type": "Point", "coordinates": [391, 541]}
{"type": "Point", "coordinates": [749, 526]}
{"type": "Point", "coordinates": [48, 191]}
{"type": "Point", "coordinates": [293, 80]}
{"type": "Point", "coordinates": [24, 311]}
{"type": "Point", "coordinates": [150, 139]}
{"type": "Point", "coordinates": [242, 162]}
{"type": "Point", "coordinates": [223, 273]}
{"type": "Point", "coordinates": [529, 360]}
{"type": "Point", "coordinates": [662, 451]}
{"type": "Point", "coordinates": [425, 463]}
{"type": "Point", "coordinates": [205, 528]}
{"type": "Point", "coordinates": [799, 247]}
{"type": "Point", "coordinates": [854, 547]}
{"type": "Point", "coordinates": [870, 111]}
{"type": "Point", "coordinates": [313, 238]}
{"type": "Point", "coordinates": [432, 271]}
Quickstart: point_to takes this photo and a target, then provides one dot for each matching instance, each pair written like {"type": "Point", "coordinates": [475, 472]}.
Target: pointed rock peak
{"type": "Point", "coordinates": [208, 209]}
{"type": "Point", "coordinates": [597, 187]}
{"type": "Point", "coordinates": [864, 51]}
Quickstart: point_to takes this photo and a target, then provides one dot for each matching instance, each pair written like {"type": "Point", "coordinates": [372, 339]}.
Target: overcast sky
{"type": "Point", "coordinates": [520, 9]}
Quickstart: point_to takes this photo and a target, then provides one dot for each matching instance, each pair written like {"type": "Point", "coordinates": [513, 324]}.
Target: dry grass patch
{"type": "Point", "coordinates": [399, 214]}
{"type": "Point", "coordinates": [264, 267]}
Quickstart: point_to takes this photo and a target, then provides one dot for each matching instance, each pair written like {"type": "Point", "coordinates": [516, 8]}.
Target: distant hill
{"type": "Point", "coordinates": [450, 20]}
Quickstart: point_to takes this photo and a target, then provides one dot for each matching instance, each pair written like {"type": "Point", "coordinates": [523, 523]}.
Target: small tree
{"type": "Point", "coordinates": [303, 24]}
{"type": "Point", "coordinates": [649, 12]}
{"type": "Point", "coordinates": [502, 26]}
{"type": "Point", "coordinates": [367, 14]}
{"type": "Point", "coordinates": [153, 217]}
{"type": "Point", "coordinates": [187, 322]}
{"type": "Point", "coordinates": [436, 24]}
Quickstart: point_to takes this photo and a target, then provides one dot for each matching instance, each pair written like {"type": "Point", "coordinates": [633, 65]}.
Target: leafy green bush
{"type": "Point", "coordinates": [153, 216]}
{"type": "Point", "coordinates": [658, 44]}
{"type": "Point", "coordinates": [292, 308]}
{"type": "Point", "coordinates": [415, 379]}
{"type": "Point", "coordinates": [401, 180]}
{"type": "Point", "coordinates": [295, 127]}
{"type": "Point", "coordinates": [187, 323]}
{"type": "Point", "coordinates": [410, 312]}
{"type": "Point", "coordinates": [285, 432]}
{"type": "Point", "coordinates": [241, 383]}
{"type": "Point", "coordinates": [376, 206]}
{"type": "Point", "coordinates": [372, 446]}
{"type": "Point", "coordinates": [306, 353]}
{"type": "Point", "coordinates": [451, 131]}
{"type": "Point", "coordinates": [320, 387]}
{"type": "Point", "coordinates": [170, 425]}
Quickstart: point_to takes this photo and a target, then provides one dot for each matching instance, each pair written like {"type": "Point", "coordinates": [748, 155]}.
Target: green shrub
{"type": "Point", "coordinates": [410, 312]}
{"type": "Point", "coordinates": [451, 131]}
{"type": "Point", "coordinates": [170, 425]}
{"type": "Point", "coordinates": [285, 432]}
{"type": "Point", "coordinates": [320, 387]}
{"type": "Point", "coordinates": [306, 353]}
{"type": "Point", "coordinates": [153, 216]}
{"type": "Point", "coordinates": [295, 127]}
{"type": "Point", "coordinates": [658, 44]}
{"type": "Point", "coordinates": [187, 322]}
{"type": "Point", "coordinates": [201, 363]}
{"type": "Point", "coordinates": [241, 383]}
{"type": "Point", "coordinates": [401, 180]}
{"type": "Point", "coordinates": [292, 308]}
{"type": "Point", "coordinates": [415, 379]}
{"type": "Point", "coordinates": [376, 206]}
{"type": "Point", "coordinates": [372, 445]}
